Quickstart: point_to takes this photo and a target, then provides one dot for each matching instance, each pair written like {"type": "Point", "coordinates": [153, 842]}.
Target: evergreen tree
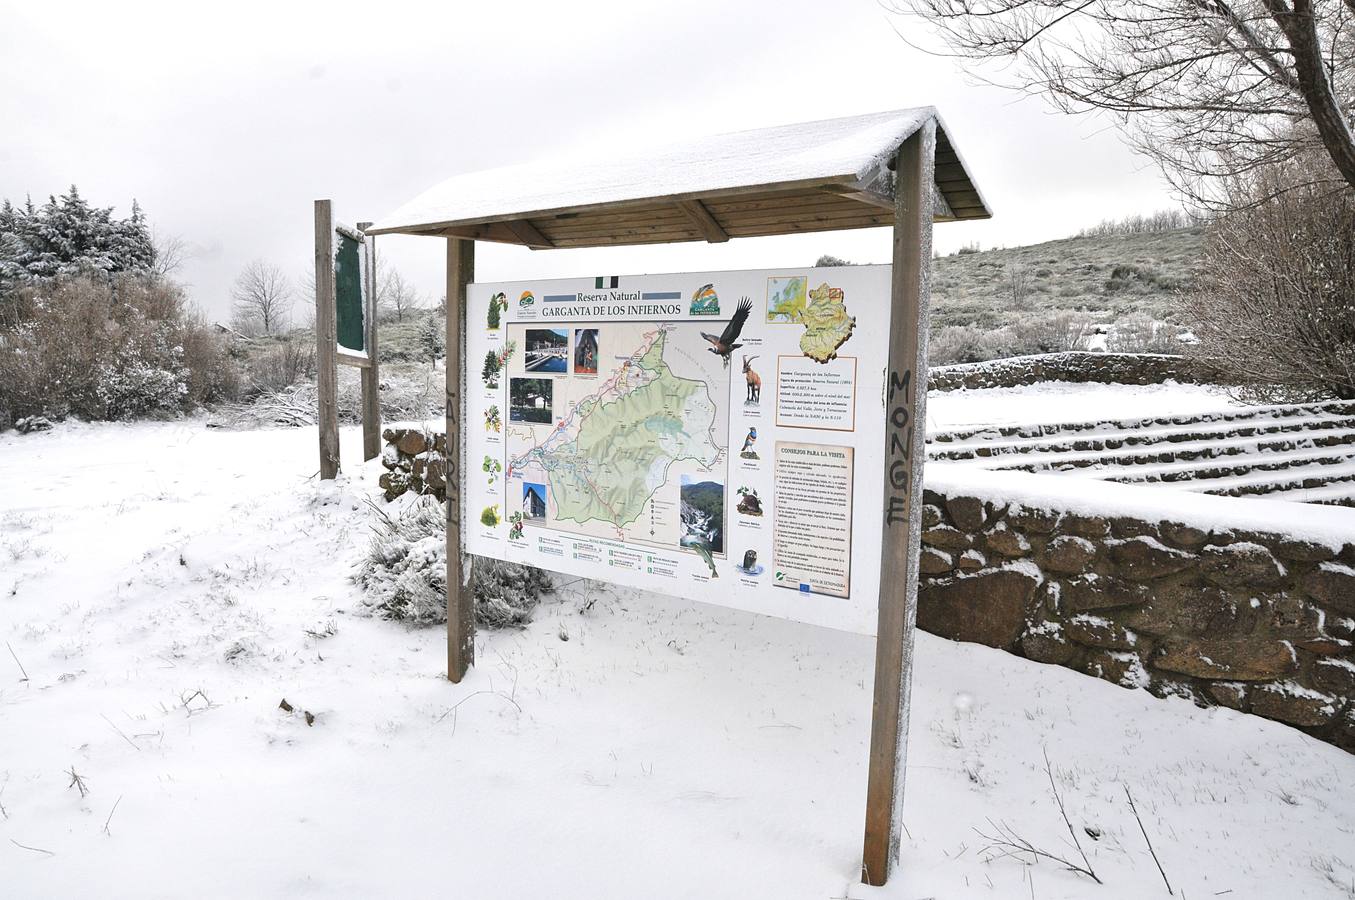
{"type": "Point", "coordinates": [67, 236]}
{"type": "Point", "coordinates": [430, 338]}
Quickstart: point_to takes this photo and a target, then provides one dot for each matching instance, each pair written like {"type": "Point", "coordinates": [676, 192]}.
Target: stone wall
{"type": "Point", "coordinates": [1257, 622]}
{"type": "Point", "coordinates": [1101, 368]}
{"type": "Point", "coordinates": [413, 458]}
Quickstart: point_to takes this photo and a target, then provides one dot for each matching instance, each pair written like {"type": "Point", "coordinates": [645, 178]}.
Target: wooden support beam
{"type": "Point", "coordinates": [906, 398]}
{"type": "Point", "coordinates": [371, 373]}
{"type": "Point", "coordinates": [326, 341]}
{"type": "Point", "coordinates": [460, 603]}
{"type": "Point", "coordinates": [705, 223]}
{"type": "Point", "coordinates": [528, 234]}
{"type": "Point", "coordinates": [861, 193]}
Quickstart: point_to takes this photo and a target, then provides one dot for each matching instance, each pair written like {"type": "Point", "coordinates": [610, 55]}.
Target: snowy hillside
{"type": "Point", "coordinates": [164, 586]}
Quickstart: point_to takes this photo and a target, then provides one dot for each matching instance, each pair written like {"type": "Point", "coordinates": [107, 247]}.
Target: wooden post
{"type": "Point", "coordinates": [460, 604]}
{"type": "Point", "coordinates": [371, 375]}
{"type": "Point", "coordinates": [326, 341]}
{"type": "Point", "coordinates": [905, 433]}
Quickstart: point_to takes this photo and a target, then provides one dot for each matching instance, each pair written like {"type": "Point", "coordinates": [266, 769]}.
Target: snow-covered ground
{"type": "Point", "coordinates": [164, 586]}
{"type": "Point", "coordinates": [1057, 401]}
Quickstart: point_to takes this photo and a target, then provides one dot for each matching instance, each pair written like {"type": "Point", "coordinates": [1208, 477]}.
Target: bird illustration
{"type": "Point", "coordinates": [750, 440]}
{"type": "Point", "coordinates": [724, 345]}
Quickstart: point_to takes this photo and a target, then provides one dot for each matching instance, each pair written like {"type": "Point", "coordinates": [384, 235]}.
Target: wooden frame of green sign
{"type": "Point", "coordinates": [360, 275]}
{"type": "Point", "coordinates": [897, 168]}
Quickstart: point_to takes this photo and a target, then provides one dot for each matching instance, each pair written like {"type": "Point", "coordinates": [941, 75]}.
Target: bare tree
{"type": "Point", "coordinates": [1207, 88]}
{"type": "Point", "coordinates": [394, 294]}
{"type": "Point", "coordinates": [1277, 287]}
{"type": "Point", "coordinates": [170, 253]}
{"type": "Point", "coordinates": [263, 299]}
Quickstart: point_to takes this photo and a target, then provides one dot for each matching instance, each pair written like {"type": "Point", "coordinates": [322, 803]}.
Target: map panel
{"type": "Point", "coordinates": [636, 445]}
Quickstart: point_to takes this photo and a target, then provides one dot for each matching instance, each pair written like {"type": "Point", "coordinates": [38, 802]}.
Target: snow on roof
{"type": "Point", "coordinates": [845, 148]}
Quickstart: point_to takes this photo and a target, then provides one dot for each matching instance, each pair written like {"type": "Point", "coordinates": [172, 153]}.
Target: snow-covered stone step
{"type": "Point", "coordinates": [1138, 438]}
{"type": "Point", "coordinates": [1341, 493]}
{"type": "Point", "coordinates": [1245, 464]}
{"type": "Point", "coordinates": [1274, 411]}
{"type": "Point", "coordinates": [1213, 448]}
{"type": "Point", "coordinates": [1314, 476]}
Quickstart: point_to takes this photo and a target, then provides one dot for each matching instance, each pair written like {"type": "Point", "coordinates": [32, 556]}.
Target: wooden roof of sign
{"type": "Point", "coordinates": [813, 176]}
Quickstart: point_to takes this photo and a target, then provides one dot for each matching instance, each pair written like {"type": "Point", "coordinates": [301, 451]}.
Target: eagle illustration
{"type": "Point", "coordinates": [725, 344]}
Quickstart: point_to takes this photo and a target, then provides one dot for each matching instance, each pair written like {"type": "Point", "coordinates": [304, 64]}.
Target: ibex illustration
{"type": "Point", "coordinates": [754, 380]}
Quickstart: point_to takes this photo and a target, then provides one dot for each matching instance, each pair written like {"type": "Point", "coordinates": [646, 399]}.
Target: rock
{"type": "Point", "coordinates": [1045, 643]}
{"type": "Point", "coordinates": [393, 483]}
{"type": "Point", "coordinates": [1084, 526]}
{"type": "Point", "coordinates": [988, 608]}
{"type": "Point", "coordinates": [1232, 694]}
{"type": "Point", "coordinates": [433, 473]}
{"type": "Point", "coordinates": [932, 498]}
{"type": "Point", "coordinates": [389, 435]}
{"type": "Point", "coordinates": [1068, 555]}
{"type": "Point", "coordinates": [1186, 536]}
{"type": "Point", "coordinates": [1094, 631]}
{"type": "Point", "coordinates": [440, 442]}
{"type": "Point", "coordinates": [1336, 676]}
{"type": "Point", "coordinates": [1117, 667]}
{"type": "Point", "coordinates": [32, 424]}
{"type": "Point", "coordinates": [1229, 659]}
{"type": "Point", "coordinates": [966, 512]}
{"type": "Point", "coordinates": [1343, 735]}
{"type": "Point", "coordinates": [1332, 585]}
{"type": "Point", "coordinates": [1005, 542]}
{"type": "Point", "coordinates": [1031, 521]}
{"type": "Point", "coordinates": [931, 516]}
{"type": "Point", "coordinates": [390, 456]}
{"type": "Point", "coordinates": [1144, 558]}
{"type": "Point", "coordinates": [1093, 592]}
{"type": "Point", "coordinates": [1323, 645]}
{"type": "Point", "coordinates": [1304, 551]}
{"type": "Point", "coordinates": [1341, 627]}
{"type": "Point", "coordinates": [934, 562]}
{"type": "Point", "coordinates": [1123, 529]}
{"type": "Point", "coordinates": [412, 442]}
{"type": "Point", "coordinates": [1243, 563]}
{"type": "Point", "coordinates": [946, 538]}
{"type": "Point", "coordinates": [1292, 703]}
{"type": "Point", "coordinates": [970, 561]}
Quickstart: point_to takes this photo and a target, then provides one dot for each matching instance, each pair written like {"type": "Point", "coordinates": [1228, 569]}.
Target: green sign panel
{"type": "Point", "coordinates": [348, 292]}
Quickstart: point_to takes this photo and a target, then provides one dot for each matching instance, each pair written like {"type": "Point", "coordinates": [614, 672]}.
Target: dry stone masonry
{"type": "Point", "coordinates": [414, 461]}
{"type": "Point", "coordinates": [1260, 623]}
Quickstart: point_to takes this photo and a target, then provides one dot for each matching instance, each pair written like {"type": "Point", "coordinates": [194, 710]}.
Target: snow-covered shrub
{"type": "Point", "coordinates": [103, 347]}
{"type": "Point", "coordinates": [404, 573]}
{"type": "Point", "coordinates": [279, 367]}
{"type": "Point", "coordinates": [416, 397]}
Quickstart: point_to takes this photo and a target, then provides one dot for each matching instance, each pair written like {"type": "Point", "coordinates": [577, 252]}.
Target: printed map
{"type": "Point", "coordinates": [822, 311]}
{"type": "Point", "coordinates": [619, 442]}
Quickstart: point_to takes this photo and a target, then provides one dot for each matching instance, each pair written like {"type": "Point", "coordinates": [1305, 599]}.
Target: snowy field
{"type": "Point", "coordinates": [164, 586]}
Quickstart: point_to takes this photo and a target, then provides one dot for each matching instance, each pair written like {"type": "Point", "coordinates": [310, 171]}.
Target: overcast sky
{"type": "Point", "coordinates": [225, 121]}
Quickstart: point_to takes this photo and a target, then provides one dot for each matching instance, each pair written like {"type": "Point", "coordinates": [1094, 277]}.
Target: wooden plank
{"type": "Point", "coordinates": [906, 397]}
{"type": "Point", "coordinates": [371, 374]}
{"type": "Point", "coordinates": [809, 227]}
{"type": "Point", "coordinates": [460, 603]}
{"type": "Point", "coordinates": [705, 223]}
{"type": "Point", "coordinates": [635, 215]}
{"type": "Point", "coordinates": [326, 341]}
{"type": "Point", "coordinates": [529, 235]}
{"type": "Point", "coordinates": [357, 362]}
{"type": "Point", "coordinates": [870, 198]}
{"type": "Point", "coordinates": [614, 205]}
